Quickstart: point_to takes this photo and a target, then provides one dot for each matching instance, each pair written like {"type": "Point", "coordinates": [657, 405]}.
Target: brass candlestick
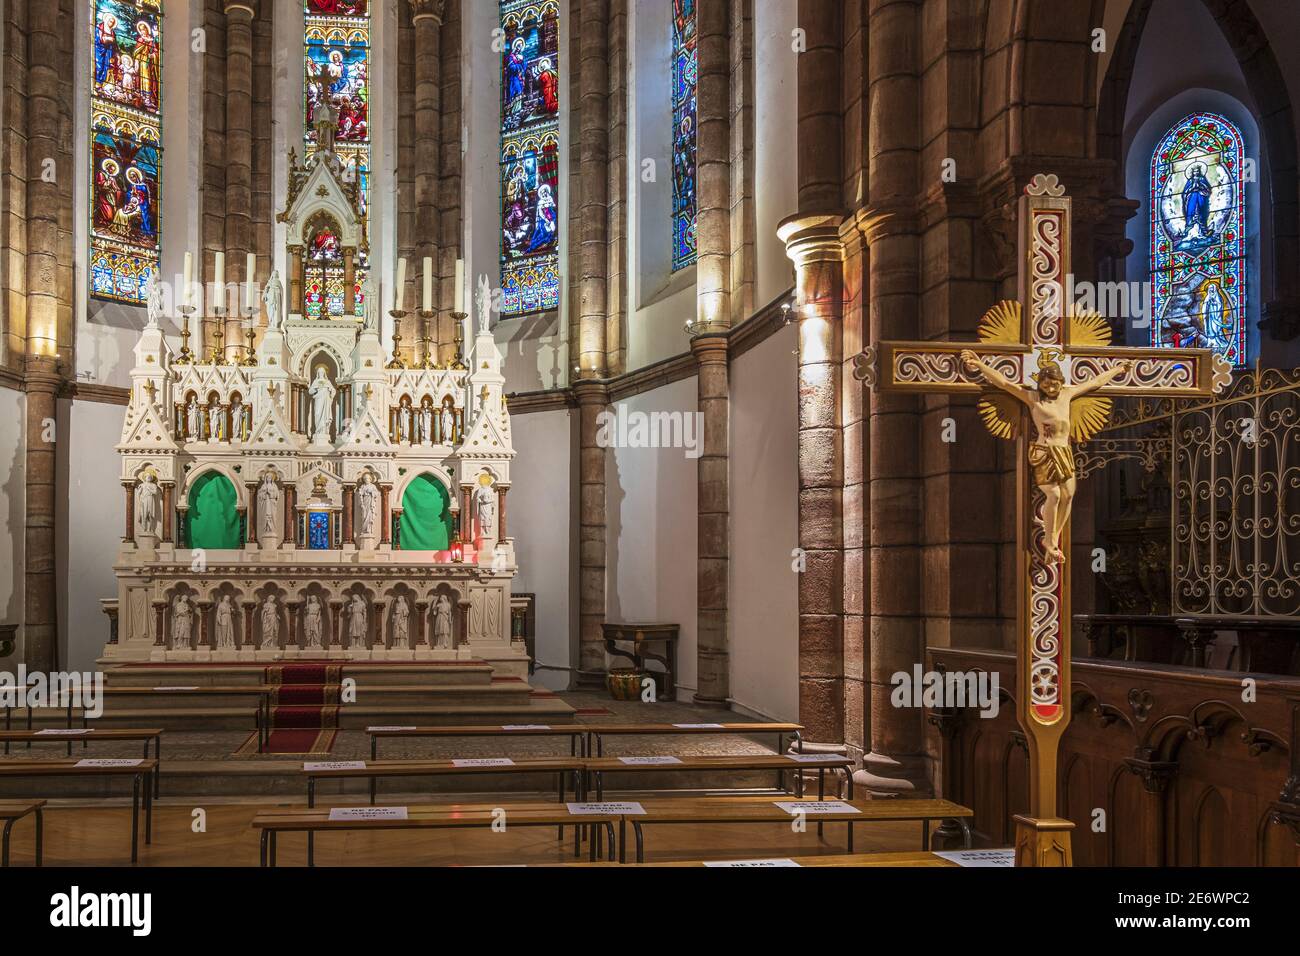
{"type": "Point", "coordinates": [396, 363]}
{"type": "Point", "coordinates": [219, 336]}
{"type": "Point", "coordinates": [459, 331]}
{"type": "Point", "coordinates": [426, 362]}
{"type": "Point", "coordinates": [185, 358]}
{"type": "Point", "coordinates": [250, 354]}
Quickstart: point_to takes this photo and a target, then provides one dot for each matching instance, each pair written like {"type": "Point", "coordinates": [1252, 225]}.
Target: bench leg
{"type": "Point", "coordinates": [4, 851]}
{"type": "Point", "coordinates": [40, 836]}
{"type": "Point", "coordinates": [821, 795]}
{"type": "Point", "coordinates": [609, 827]}
{"type": "Point", "coordinates": [965, 833]}
{"type": "Point", "coordinates": [850, 844]}
{"type": "Point", "coordinates": [925, 834]}
{"type": "Point", "coordinates": [157, 773]}
{"type": "Point", "coordinates": [622, 839]}
{"type": "Point", "coordinates": [135, 818]}
{"type": "Point", "coordinates": [148, 810]}
{"type": "Point", "coordinates": [311, 834]}
{"type": "Point", "coordinates": [271, 848]}
{"type": "Point", "coordinates": [560, 775]}
{"type": "Point", "coordinates": [266, 836]}
{"type": "Point", "coordinates": [640, 841]}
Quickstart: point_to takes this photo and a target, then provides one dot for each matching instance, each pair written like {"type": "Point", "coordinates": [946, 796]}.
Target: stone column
{"type": "Point", "coordinates": [466, 514]}
{"type": "Point", "coordinates": [291, 623]}
{"type": "Point", "coordinates": [386, 532]}
{"type": "Point", "coordinates": [128, 531]}
{"type": "Point", "coordinates": [249, 607]}
{"type": "Point", "coordinates": [297, 291]}
{"type": "Point", "coordinates": [336, 624]}
{"type": "Point", "coordinates": [204, 608]}
{"type": "Point", "coordinates": [712, 552]}
{"type": "Point", "coordinates": [40, 605]}
{"type": "Point", "coordinates": [813, 244]}
{"type": "Point", "coordinates": [160, 623]}
{"type": "Point", "coordinates": [592, 399]}
{"type": "Point", "coordinates": [421, 609]}
{"type": "Point", "coordinates": [252, 511]}
{"type": "Point", "coordinates": [426, 20]}
{"type": "Point", "coordinates": [238, 155]}
{"type": "Point", "coordinates": [168, 509]}
{"type": "Point", "coordinates": [377, 624]}
{"type": "Point", "coordinates": [713, 167]}
{"type": "Point", "coordinates": [348, 537]}
{"type": "Point", "coordinates": [290, 518]}
{"type": "Point", "coordinates": [593, 109]}
{"type": "Point", "coordinates": [501, 513]}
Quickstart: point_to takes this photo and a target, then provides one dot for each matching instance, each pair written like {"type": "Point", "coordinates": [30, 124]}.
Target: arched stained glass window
{"type": "Point", "coordinates": [1198, 226]}
{"type": "Point", "coordinates": [125, 148]}
{"type": "Point", "coordinates": [530, 156]}
{"type": "Point", "coordinates": [337, 69]}
{"type": "Point", "coordinates": [685, 80]}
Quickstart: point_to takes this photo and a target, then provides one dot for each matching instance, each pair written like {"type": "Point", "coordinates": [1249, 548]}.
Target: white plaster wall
{"type": "Point", "coordinates": [776, 190]}
{"type": "Point", "coordinates": [540, 516]}
{"type": "Point", "coordinates": [13, 468]}
{"type": "Point", "coordinates": [89, 520]}
{"type": "Point", "coordinates": [764, 613]}
{"type": "Point", "coordinates": [650, 537]}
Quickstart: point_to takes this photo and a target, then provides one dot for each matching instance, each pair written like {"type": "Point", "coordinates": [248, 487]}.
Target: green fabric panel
{"type": "Point", "coordinates": [426, 516]}
{"type": "Point", "coordinates": [213, 518]}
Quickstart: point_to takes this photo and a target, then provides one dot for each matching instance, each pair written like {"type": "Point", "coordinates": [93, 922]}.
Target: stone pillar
{"type": "Point", "coordinates": [204, 608]}
{"type": "Point", "coordinates": [386, 532]}
{"type": "Point", "coordinates": [290, 518]}
{"type": "Point", "coordinates": [713, 167]}
{"type": "Point", "coordinates": [291, 623]}
{"type": "Point", "coordinates": [336, 624]}
{"type": "Point", "coordinates": [426, 20]}
{"type": "Point", "coordinates": [460, 635]}
{"type": "Point", "coordinates": [128, 530]}
{"type": "Point", "coordinates": [593, 110]}
{"type": "Point", "coordinates": [348, 501]}
{"type": "Point", "coordinates": [40, 605]}
{"type": "Point", "coordinates": [249, 607]}
{"type": "Point", "coordinates": [377, 624]}
{"type": "Point", "coordinates": [813, 244]}
{"type": "Point", "coordinates": [252, 511]}
{"type": "Point", "coordinates": [238, 155]}
{"type": "Point", "coordinates": [421, 609]}
{"type": "Point", "coordinates": [501, 513]}
{"type": "Point", "coordinates": [466, 514]}
{"type": "Point", "coordinates": [592, 399]}
{"type": "Point", "coordinates": [160, 623]}
{"type": "Point", "coordinates": [168, 509]}
{"type": "Point", "coordinates": [712, 554]}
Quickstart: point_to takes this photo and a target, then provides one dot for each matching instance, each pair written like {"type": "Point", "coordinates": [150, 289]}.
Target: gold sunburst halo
{"type": "Point", "coordinates": [1000, 414]}
{"type": "Point", "coordinates": [1001, 323]}
{"type": "Point", "coordinates": [1089, 329]}
{"type": "Point", "coordinates": [1088, 415]}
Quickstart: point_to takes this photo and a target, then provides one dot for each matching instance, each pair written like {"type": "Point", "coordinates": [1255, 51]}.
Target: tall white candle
{"type": "Point", "coordinates": [250, 266]}
{"type": "Point", "coordinates": [189, 278]}
{"type": "Point", "coordinates": [428, 284]}
{"type": "Point", "coordinates": [219, 277]}
{"type": "Point", "coordinates": [460, 285]}
{"type": "Point", "coordinates": [399, 288]}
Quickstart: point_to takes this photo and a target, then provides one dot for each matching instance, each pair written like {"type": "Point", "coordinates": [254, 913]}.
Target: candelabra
{"type": "Point", "coordinates": [185, 358]}
{"type": "Point", "coordinates": [426, 362]}
{"type": "Point", "coordinates": [219, 335]}
{"type": "Point", "coordinates": [398, 315]}
{"type": "Point", "coordinates": [250, 354]}
{"type": "Point", "coordinates": [458, 321]}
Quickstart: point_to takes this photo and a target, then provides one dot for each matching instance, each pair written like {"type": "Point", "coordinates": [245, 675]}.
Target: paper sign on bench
{"type": "Point", "coordinates": [649, 761]}
{"type": "Point", "coordinates": [109, 762]}
{"type": "Point", "coordinates": [698, 726]}
{"type": "Point", "coordinates": [335, 765]}
{"type": "Point", "coordinates": [525, 726]}
{"type": "Point", "coordinates": [811, 758]}
{"type": "Point", "coordinates": [608, 808]}
{"type": "Point", "coordinates": [368, 813]}
{"type": "Point", "coordinates": [483, 762]}
{"type": "Point", "coordinates": [775, 861]}
{"type": "Point", "coordinates": [814, 807]}
{"type": "Point", "coordinates": [390, 727]}
{"type": "Point", "coordinates": [188, 687]}
{"type": "Point", "coordinates": [59, 732]}
{"type": "Point", "coordinates": [1005, 857]}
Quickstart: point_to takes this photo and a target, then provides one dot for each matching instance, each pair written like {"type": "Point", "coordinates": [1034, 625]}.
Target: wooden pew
{"type": "Point", "coordinates": [909, 858]}
{"type": "Point", "coordinates": [596, 732]}
{"type": "Point", "coordinates": [11, 811]}
{"type": "Point", "coordinates": [86, 734]}
{"type": "Point", "coordinates": [710, 810]}
{"type": "Point", "coordinates": [138, 770]}
{"type": "Point", "coordinates": [597, 767]}
{"type": "Point", "coordinates": [262, 692]}
{"type": "Point", "coordinates": [472, 766]}
{"type": "Point", "coordinates": [455, 816]}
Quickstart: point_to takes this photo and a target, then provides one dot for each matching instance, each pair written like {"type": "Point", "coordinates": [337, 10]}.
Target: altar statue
{"type": "Point", "coordinates": [404, 420]}
{"type": "Point", "coordinates": [216, 429]}
{"type": "Point", "coordinates": [313, 622]}
{"type": "Point", "coordinates": [367, 504]}
{"type": "Point", "coordinates": [182, 619]}
{"type": "Point", "coordinates": [268, 505]}
{"type": "Point", "coordinates": [154, 300]}
{"type": "Point", "coordinates": [192, 423]}
{"type": "Point", "coordinates": [225, 615]}
{"type": "Point", "coordinates": [426, 421]}
{"type": "Point", "coordinates": [237, 419]}
{"type": "Point", "coordinates": [485, 501]}
{"type": "Point", "coordinates": [356, 622]}
{"type": "Point", "coordinates": [442, 623]}
{"type": "Point", "coordinates": [369, 305]}
{"type": "Point", "coordinates": [148, 506]}
{"type": "Point", "coordinates": [401, 616]}
{"type": "Point", "coordinates": [483, 303]}
{"type": "Point", "coordinates": [1050, 454]}
{"type": "Point", "coordinates": [270, 623]}
{"type": "Point", "coordinates": [322, 407]}
{"type": "Point", "coordinates": [272, 296]}
{"type": "Point", "coordinates": [448, 425]}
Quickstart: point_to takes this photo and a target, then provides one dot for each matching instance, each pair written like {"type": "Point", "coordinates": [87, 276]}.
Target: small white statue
{"type": "Point", "coordinates": [192, 421]}
{"type": "Point", "coordinates": [485, 500]}
{"type": "Point", "coordinates": [225, 623]}
{"type": "Point", "coordinates": [216, 427]}
{"type": "Point", "coordinates": [404, 420]}
{"type": "Point", "coordinates": [401, 616]}
{"type": "Point", "coordinates": [442, 623]}
{"type": "Point", "coordinates": [313, 622]}
{"type": "Point", "coordinates": [182, 619]}
{"type": "Point", "coordinates": [154, 300]}
{"type": "Point", "coordinates": [270, 623]}
{"type": "Point", "coordinates": [237, 419]}
{"type": "Point", "coordinates": [356, 622]}
{"type": "Point", "coordinates": [148, 506]}
{"type": "Point", "coordinates": [322, 407]}
{"type": "Point", "coordinates": [448, 425]}
{"type": "Point", "coordinates": [369, 305]}
{"type": "Point", "coordinates": [483, 303]}
{"type": "Point", "coordinates": [268, 505]}
{"type": "Point", "coordinates": [272, 296]}
{"type": "Point", "coordinates": [367, 505]}
{"type": "Point", "coordinates": [426, 421]}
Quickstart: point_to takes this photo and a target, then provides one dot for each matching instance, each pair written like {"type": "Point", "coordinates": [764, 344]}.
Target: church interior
{"type": "Point", "coordinates": [472, 432]}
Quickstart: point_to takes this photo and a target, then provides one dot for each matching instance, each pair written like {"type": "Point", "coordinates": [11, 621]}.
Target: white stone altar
{"type": "Point", "coordinates": [319, 427]}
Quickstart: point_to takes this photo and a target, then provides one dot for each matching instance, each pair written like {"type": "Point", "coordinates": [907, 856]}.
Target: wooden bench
{"type": "Point", "coordinates": [11, 811]}
{"type": "Point", "coordinates": [138, 770]}
{"type": "Point", "coordinates": [465, 766]}
{"type": "Point", "coordinates": [766, 810]}
{"type": "Point", "coordinates": [908, 858]}
{"type": "Point", "coordinates": [596, 732]}
{"type": "Point", "coordinates": [66, 707]}
{"type": "Point", "coordinates": [86, 734]}
{"type": "Point", "coordinates": [597, 767]}
{"type": "Point", "coordinates": [262, 692]}
{"type": "Point", "coordinates": [455, 816]}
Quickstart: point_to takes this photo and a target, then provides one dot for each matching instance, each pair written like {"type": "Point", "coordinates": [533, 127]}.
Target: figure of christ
{"type": "Point", "coordinates": [442, 623]}
{"type": "Point", "coordinates": [401, 618]}
{"type": "Point", "coordinates": [268, 506]}
{"type": "Point", "coordinates": [322, 406]}
{"type": "Point", "coordinates": [1050, 456]}
{"type": "Point", "coordinates": [225, 624]}
{"type": "Point", "coordinates": [367, 505]}
{"type": "Point", "coordinates": [426, 422]}
{"type": "Point", "coordinates": [356, 622]}
{"type": "Point", "coordinates": [448, 425]}
{"type": "Point", "coordinates": [182, 619]}
{"type": "Point", "coordinates": [270, 623]}
{"type": "Point", "coordinates": [313, 623]}
{"type": "Point", "coordinates": [192, 420]}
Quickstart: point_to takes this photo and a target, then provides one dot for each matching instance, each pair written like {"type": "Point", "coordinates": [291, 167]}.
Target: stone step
{"type": "Point", "coordinates": [144, 698]}
{"type": "Point", "coordinates": [237, 675]}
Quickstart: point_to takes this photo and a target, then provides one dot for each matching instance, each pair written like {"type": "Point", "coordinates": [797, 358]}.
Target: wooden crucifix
{"type": "Point", "coordinates": [1045, 373]}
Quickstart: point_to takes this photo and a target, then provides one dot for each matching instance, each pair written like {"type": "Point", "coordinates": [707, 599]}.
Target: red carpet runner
{"type": "Point", "coordinates": [304, 709]}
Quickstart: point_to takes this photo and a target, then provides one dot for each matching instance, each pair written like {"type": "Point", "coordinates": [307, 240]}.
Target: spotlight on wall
{"type": "Point", "coordinates": [689, 325]}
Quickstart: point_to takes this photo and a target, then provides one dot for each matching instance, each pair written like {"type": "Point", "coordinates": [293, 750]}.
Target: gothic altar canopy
{"type": "Point", "coordinates": [300, 494]}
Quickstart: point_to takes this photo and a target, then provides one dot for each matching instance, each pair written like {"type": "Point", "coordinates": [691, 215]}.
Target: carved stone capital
{"type": "Point", "coordinates": [422, 9]}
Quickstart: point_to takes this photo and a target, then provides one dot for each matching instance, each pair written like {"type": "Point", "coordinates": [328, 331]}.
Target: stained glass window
{"type": "Point", "coordinates": [323, 273]}
{"type": "Point", "coordinates": [1198, 225]}
{"type": "Point", "coordinates": [337, 69]}
{"type": "Point", "coordinates": [530, 148]}
{"type": "Point", "coordinates": [125, 147]}
{"type": "Point", "coordinates": [685, 80]}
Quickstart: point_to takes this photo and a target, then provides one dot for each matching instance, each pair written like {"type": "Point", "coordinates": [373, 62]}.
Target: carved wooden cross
{"type": "Point", "coordinates": [1052, 369]}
